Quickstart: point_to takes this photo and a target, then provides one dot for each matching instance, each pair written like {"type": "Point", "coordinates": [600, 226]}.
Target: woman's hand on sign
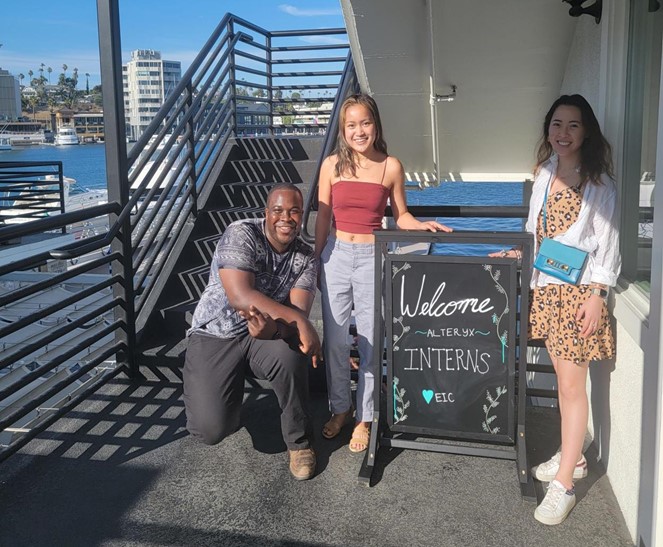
{"type": "Point", "coordinates": [507, 253]}
{"type": "Point", "coordinates": [434, 226]}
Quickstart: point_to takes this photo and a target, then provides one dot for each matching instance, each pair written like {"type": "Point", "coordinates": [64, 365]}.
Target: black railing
{"type": "Point", "coordinates": [31, 190]}
{"type": "Point", "coordinates": [94, 295]}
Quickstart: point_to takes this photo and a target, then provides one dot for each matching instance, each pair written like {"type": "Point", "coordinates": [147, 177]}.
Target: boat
{"type": "Point", "coordinates": [66, 136]}
{"type": "Point", "coordinates": [75, 199]}
{"type": "Point", "coordinates": [23, 133]}
{"type": "Point", "coordinates": [5, 143]}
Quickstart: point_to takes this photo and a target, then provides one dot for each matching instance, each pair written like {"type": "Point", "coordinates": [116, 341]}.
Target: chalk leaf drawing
{"type": "Point", "coordinates": [400, 404]}
{"type": "Point", "coordinates": [502, 337]}
{"type": "Point", "coordinates": [493, 402]}
{"type": "Point", "coordinates": [395, 270]}
{"type": "Point", "coordinates": [404, 330]}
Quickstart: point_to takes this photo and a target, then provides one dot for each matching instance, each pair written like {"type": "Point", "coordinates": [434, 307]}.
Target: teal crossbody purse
{"type": "Point", "coordinates": [558, 260]}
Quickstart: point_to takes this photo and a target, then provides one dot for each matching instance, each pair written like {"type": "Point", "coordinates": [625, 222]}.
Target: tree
{"type": "Point", "coordinates": [87, 83]}
{"type": "Point", "coordinates": [75, 76]}
{"type": "Point", "coordinates": [97, 97]}
{"type": "Point", "coordinates": [30, 73]}
{"type": "Point", "coordinates": [49, 70]}
{"type": "Point", "coordinates": [20, 78]}
{"type": "Point", "coordinates": [41, 71]}
{"type": "Point", "coordinates": [33, 101]}
{"type": "Point", "coordinates": [66, 91]}
{"type": "Point", "coordinates": [64, 70]}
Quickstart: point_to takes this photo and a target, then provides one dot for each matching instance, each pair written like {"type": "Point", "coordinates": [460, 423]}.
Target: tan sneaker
{"type": "Point", "coordinates": [302, 463]}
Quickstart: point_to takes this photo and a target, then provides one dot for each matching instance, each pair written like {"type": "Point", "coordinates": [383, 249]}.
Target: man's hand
{"type": "Point", "coordinates": [309, 342]}
{"type": "Point", "coordinates": [261, 325]}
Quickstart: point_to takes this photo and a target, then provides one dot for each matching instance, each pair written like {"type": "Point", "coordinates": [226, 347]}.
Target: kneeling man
{"type": "Point", "coordinates": [254, 313]}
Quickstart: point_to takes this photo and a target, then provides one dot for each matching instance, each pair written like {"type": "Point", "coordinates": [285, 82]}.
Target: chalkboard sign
{"type": "Point", "coordinates": [451, 339]}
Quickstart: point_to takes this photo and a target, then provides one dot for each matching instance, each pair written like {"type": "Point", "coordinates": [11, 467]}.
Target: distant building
{"type": "Point", "coordinates": [252, 118]}
{"type": "Point", "coordinates": [89, 126]}
{"type": "Point", "coordinates": [147, 81]}
{"type": "Point", "coordinates": [10, 97]}
{"type": "Point", "coordinates": [28, 91]}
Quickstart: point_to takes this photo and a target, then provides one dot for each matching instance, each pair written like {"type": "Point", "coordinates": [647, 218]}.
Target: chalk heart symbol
{"type": "Point", "coordinates": [428, 395]}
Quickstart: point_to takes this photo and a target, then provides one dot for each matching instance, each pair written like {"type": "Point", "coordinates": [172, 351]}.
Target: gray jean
{"type": "Point", "coordinates": [347, 278]}
{"type": "Point", "coordinates": [214, 370]}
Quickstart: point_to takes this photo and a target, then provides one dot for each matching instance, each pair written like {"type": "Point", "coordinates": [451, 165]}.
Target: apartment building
{"type": "Point", "coordinates": [147, 81]}
{"type": "Point", "coordinates": [10, 96]}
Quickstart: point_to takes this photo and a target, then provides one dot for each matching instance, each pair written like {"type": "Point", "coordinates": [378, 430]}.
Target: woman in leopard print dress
{"type": "Point", "coordinates": [574, 171]}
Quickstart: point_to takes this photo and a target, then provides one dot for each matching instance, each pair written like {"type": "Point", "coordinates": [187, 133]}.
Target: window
{"type": "Point", "coordinates": [642, 114]}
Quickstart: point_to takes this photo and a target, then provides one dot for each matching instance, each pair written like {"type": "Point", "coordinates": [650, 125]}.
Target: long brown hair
{"type": "Point", "coordinates": [345, 154]}
{"type": "Point", "coordinates": [595, 152]}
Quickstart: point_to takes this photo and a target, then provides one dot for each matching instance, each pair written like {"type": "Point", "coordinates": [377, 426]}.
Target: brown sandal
{"type": "Point", "coordinates": [337, 422]}
{"type": "Point", "coordinates": [360, 436]}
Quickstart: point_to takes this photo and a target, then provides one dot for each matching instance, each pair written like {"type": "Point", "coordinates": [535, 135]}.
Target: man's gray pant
{"type": "Point", "coordinates": [214, 371]}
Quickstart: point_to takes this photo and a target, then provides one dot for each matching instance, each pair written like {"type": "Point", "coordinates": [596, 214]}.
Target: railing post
{"type": "Point", "coordinates": [233, 78]}
{"type": "Point", "coordinates": [193, 177]}
{"type": "Point", "coordinates": [268, 54]}
{"type": "Point", "coordinates": [63, 194]}
{"type": "Point", "coordinates": [117, 175]}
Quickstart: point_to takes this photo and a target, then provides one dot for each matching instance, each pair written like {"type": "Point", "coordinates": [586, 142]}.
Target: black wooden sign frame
{"type": "Point", "coordinates": [510, 442]}
{"type": "Point", "coordinates": [497, 335]}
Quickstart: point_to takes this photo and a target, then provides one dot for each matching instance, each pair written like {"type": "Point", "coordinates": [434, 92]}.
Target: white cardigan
{"type": "Point", "coordinates": [596, 230]}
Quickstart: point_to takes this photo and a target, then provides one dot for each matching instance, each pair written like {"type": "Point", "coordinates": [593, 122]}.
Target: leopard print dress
{"type": "Point", "coordinates": [553, 307]}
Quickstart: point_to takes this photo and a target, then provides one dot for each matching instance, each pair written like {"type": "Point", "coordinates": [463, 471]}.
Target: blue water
{"type": "Point", "coordinates": [87, 164]}
{"type": "Point", "coordinates": [472, 193]}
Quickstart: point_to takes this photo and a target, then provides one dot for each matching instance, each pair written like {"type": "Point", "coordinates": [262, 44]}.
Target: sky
{"type": "Point", "coordinates": [65, 32]}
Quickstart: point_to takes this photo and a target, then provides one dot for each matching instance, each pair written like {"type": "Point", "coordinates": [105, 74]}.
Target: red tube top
{"type": "Point", "coordinates": [358, 207]}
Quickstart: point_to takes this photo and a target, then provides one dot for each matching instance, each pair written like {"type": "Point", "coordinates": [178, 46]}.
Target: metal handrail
{"type": "Point", "coordinates": [172, 169]}
{"type": "Point", "coordinates": [347, 86]}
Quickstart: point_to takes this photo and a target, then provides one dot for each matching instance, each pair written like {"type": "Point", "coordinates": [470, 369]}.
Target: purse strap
{"type": "Point", "coordinates": [545, 206]}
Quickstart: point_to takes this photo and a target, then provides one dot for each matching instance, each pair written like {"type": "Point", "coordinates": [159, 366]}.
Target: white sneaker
{"type": "Point", "coordinates": [556, 505]}
{"type": "Point", "coordinates": [547, 471]}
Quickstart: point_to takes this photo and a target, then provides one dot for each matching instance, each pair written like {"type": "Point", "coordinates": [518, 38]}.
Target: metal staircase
{"type": "Point", "coordinates": [208, 158]}
{"type": "Point", "coordinates": [253, 166]}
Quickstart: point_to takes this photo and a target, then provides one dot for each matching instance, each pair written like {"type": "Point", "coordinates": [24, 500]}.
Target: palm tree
{"type": "Point", "coordinates": [64, 70]}
{"type": "Point", "coordinates": [41, 71]}
{"type": "Point", "coordinates": [49, 70]}
{"type": "Point", "coordinates": [20, 78]}
{"type": "Point", "coordinates": [87, 83]}
{"type": "Point", "coordinates": [75, 77]}
{"type": "Point", "coordinates": [32, 101]}
{"type": "Point", "coordinates": [30, 73]}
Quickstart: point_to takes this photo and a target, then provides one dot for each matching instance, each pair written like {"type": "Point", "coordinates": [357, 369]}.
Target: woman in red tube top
{"type": "Point", "coordinates": [355, 183]}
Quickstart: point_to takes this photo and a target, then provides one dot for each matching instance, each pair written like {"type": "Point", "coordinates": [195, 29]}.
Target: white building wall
{"type": "Point", "coordinates": [615, 392]}
{"type": "Point", "coordinates": [582, 73]}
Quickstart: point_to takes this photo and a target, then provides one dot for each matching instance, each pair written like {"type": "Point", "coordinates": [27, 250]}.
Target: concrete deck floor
{"type": "Point", "coordinates": [121, 470]}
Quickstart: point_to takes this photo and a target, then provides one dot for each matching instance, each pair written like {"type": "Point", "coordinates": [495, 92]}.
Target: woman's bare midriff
{"type": "Point", "coordinates": [349, 237]}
